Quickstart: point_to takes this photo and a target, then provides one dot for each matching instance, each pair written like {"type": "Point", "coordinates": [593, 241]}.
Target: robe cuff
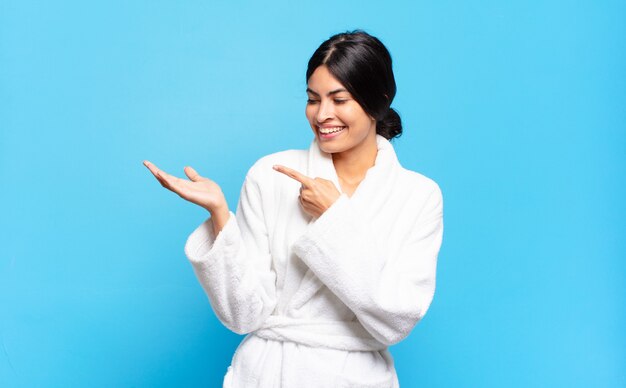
{"type": "Point", "coordinates": [202, 240]}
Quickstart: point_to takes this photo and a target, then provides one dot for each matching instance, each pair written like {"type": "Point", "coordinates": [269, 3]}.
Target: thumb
{"type": "Point", "coordinates": [192, 174]}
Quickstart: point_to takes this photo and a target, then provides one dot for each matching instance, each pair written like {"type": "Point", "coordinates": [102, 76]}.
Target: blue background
{"type": "Point", "coordinates": [517, 109]}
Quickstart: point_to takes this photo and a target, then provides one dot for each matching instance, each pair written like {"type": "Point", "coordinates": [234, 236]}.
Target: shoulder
{"type": "Point", "coordinates": [418, 186]}
{"type": "Point", "coordinates": [420, 183]}
{"type": "Point", "coordinates": [424, 193]}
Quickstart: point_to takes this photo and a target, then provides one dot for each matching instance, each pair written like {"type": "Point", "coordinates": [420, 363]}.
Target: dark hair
{"type": "Point", "coordinates": [363, 66]}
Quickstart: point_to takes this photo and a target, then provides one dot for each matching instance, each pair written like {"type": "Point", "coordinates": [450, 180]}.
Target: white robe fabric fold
{"type": "Point", "coordinates": [322, 298]}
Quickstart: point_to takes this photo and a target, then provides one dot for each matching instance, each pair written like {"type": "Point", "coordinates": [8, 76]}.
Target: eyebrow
{"type": "Point", "coordinates": [329, 93]}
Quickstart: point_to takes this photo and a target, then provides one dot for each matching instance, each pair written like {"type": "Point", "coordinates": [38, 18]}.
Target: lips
{"type": "Point", "coordinates": [330, 130]}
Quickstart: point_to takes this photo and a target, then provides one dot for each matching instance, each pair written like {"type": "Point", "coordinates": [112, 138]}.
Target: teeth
{"type": "Point", "coordinates": [326, 131]}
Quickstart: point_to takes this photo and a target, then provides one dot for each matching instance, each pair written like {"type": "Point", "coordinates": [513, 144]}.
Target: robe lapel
{"type": "Point", "coordinates": [321, 165]}
{"type": "Point", "coordinates": [369, 198]}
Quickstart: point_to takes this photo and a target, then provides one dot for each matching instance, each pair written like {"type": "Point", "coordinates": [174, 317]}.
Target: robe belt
{"type": "Point", "coordinates": [342, 335]}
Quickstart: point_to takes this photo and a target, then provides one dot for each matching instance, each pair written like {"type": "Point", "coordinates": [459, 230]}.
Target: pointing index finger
{"type": "Point", "coordinates": [305, 180]}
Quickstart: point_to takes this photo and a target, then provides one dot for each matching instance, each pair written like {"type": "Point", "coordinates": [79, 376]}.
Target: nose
{"type": "Point", "coordinates": [325, 111]}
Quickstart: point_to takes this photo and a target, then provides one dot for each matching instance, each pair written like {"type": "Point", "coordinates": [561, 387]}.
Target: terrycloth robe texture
{"type": "Point", "coordinates": [322, 298]}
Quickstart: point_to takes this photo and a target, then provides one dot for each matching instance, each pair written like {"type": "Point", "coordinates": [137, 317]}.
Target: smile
{"type": "Point", "coordinates": [331, 130]}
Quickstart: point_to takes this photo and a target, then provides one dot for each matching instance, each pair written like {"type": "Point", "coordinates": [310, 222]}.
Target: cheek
{"type": "Point", "coordinates": [309, 112]}
{"type": "Point", "coordinates": [353, 115]}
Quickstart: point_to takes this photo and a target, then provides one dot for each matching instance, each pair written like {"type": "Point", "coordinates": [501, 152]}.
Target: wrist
{"type": "Point", "coordinates": [219, 217]}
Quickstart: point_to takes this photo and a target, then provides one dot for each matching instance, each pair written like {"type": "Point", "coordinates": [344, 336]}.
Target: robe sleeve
{"type": "Point", "coordinates": [388, 295]}
{"type": "Point", "coordinates": [235, 268]}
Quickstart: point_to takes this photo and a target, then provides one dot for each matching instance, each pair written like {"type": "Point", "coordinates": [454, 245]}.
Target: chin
{"type": "Point", "coordinates": [330, 146]}
{"type": "Point", "coordinates": [329, 149]}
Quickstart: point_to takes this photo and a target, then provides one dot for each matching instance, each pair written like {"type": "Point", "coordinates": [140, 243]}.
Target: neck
{"type": "Point", "coordinates": [351, 166]}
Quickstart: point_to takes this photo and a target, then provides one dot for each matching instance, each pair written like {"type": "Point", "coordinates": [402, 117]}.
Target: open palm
{"type": "Point", "coordinates": [199, 190]}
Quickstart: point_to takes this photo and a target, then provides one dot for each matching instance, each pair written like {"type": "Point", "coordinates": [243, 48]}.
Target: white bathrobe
{"type": "Point", "coordinates": [321, 298]}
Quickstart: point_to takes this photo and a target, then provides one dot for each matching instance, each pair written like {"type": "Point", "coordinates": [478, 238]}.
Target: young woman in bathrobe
{"type": "Point", "coordinates": [331, 255]}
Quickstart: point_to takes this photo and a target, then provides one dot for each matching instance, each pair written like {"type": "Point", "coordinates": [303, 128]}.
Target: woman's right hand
{"type": "Point", "coordinates": [199, 190]}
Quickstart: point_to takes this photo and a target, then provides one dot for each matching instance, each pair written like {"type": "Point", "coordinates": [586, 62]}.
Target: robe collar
{"type": "Point", "coordinates": [377, 177]}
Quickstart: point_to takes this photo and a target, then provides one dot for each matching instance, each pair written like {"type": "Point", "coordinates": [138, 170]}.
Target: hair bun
{"type": "Point", "coordinates": [390, 126]}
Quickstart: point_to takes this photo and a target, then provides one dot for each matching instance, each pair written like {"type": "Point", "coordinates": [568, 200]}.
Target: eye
{"type": "Point", "coordinates": [340, 100]}
{"type": "Point", "coordinates": [311, 101]}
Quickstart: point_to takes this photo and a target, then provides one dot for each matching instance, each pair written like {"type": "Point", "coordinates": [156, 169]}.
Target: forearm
{"type": "Point", "coordinates": [241, 294]}
{"type": "Point", "coordinates": [388, 292]}
{"type": "Point", "coordinates": [219, 218]}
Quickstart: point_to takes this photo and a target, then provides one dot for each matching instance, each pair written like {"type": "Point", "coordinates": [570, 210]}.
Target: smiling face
{"type": "Point", "coordinates": [338, 121]}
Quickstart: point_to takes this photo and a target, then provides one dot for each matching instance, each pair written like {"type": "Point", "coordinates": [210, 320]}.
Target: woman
{"type": "Point", "coordinates": [332, 253]}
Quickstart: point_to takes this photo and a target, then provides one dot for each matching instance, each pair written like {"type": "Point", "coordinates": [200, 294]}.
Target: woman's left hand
{"type": "Point", "coordinates": [316, 194]}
